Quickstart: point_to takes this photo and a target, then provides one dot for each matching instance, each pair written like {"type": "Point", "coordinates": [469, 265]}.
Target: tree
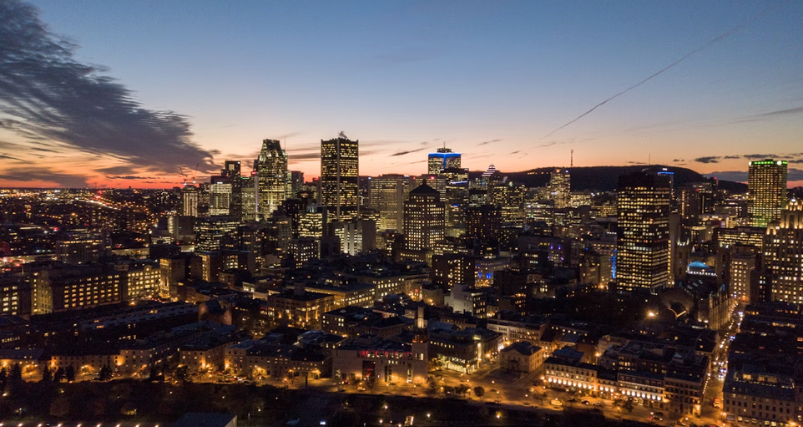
{"type": "Point", "coordinates": [628, 406]}
{"type": "Point", "coordinates": [153, 374]}
{"type": "Point", "coordinates": [47, 375]}
{"type": "Point", "coordinates": [105, 373]}
{"type": "Point", "coordinates": [182, 374]}
{"type": "Point", "coordinates": [16, 373]}
{"type": "Point", "coordinates": [479, 392]}
{"type": "Point", "coordinates": [59, 375]}
{"type": "Point", "coordinates": [3, 378]}
{"type": "Point", "coordinates": [69, 374]}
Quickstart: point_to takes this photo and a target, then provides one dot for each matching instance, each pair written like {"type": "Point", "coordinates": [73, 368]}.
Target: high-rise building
{"type": "Point", "coordinates": [766, 186]}
{"type": "Point", "coordinates": [271, 166]}
{"type": "Point", "coordinates": [424, 218]}
{"type": "Point", "coordinates": [386, 195]}
{"type": "Point", "coordinates": [559, 188]}
{"type": "Point", "coordinates": [340, 174]}
{"type": "Point", "coordinates": [743, 262]}
{"type": "Point", "coordinates": [210, 232]}
{"type": "Point", "coordinates": [642, 248]}
{"type": "Point", "coordinates": [783, 254]}
{"type": "Point", "coordinates": [443, 159]}
{"type": "Point", "coordinates": [189, 201]}
{"type": "Point", "coordinates": [231, 170]}
{"type": "Point", "coordinates": [220, 200]}
{"type": "Point", "coordinates": [484, 222]}
{"type": "Point", "coordinates": [295, 183]}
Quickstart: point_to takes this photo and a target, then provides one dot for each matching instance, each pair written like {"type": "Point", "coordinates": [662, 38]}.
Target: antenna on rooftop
{"type": "Point", "coordinates": [571, 162]}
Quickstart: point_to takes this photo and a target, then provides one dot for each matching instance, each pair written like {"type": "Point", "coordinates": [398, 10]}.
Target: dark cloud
{"type": "Point", "coordinates": [758, 156]}
{"type": "Point", "coordinates": [515, 152]}
{"type": "Point", "coordinates": [49, 95]}
{"type": "Point", "coordinates": [116, 170]}
{"type": "Point", "coordinates": [732, 157]}
{"type": "Point", "coordinates": [489, 142]}
{"type": "Point", "coordinates": [130, 177]}
{"type": "Point", "coordinates": [678, 160]}
{"type": "Point", "coordinates": [25, 174]}
{"type": "Point", "coordinates": [636, 163]}
{"type": "Point", "coordinates": [403, 153]}
{"type": "Point", "coordinates": [6, 156]}
{"type": "Point", "coordinates": [708, 159]}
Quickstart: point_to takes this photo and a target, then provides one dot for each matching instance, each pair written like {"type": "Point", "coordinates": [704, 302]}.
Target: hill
{"type": "Point", "coordinates": [605, 178]}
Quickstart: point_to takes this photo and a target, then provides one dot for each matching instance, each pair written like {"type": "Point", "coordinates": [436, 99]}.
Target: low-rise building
{"type": "Point", "coordinates": [521, 356]}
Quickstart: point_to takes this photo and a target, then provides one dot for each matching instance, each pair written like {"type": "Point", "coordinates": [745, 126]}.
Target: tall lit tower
{"type": "Point", "coordinates": [387, 194]}
{"type": "Point", "coordinates": [340, 174]}
{"type": "Point", "coordinates": [271, 177]}
{"type": "Point", "coordinates": [189, 200]}
{"type": "Point", "coordinates": [559, 188]}
{"type": "Point", "coordinates": [642, 247]}
{"type": "Point", "coordinates": [443, 159]}
{"type": "Point", "coordinates": [783, 253]}
{"type": "Point", "coordinates": [766, 185]}
{"type": "Point", "coordinates": [424, 218]}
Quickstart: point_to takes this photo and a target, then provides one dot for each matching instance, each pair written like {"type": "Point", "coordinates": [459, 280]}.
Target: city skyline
{"type": "Point", "coordinates": [404, 79]}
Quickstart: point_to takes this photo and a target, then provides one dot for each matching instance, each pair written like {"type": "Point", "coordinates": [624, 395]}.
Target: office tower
{"type": "Point", "coordinates": [295, 183]}
{"type": "Point", "coordinates": [690, 205]}
{"type": "Point", "coordinates": [271, 167]}
{"type": "Point", "coordinates": [249, 193]}
{"type": "Point", "coordinates": [559, 188]}
{"type": "Point", "coordinates": [484, 222]}
{"type": "Point", "coordinates": [210, 232]}
{"type": "Point", "coordinates": [357, 235]}
{"type": "Point", "coordinates": [189, 201]}
{"type": "Point", "coordinates": [340, 174]}
{"type": "Point", "coordinates": [424, 218]}
{"type": "Point", "coordinates": [231, 170]}
{"type": "Point", "coordinates": [743, 263]}
{"type": "Point", "coordinates": [766, 185]}
{"type": "Point", "coordinates": [312, 223]}
{"type": "Point", "coordinates": [443, 159]}
{"type": "Point", "coordinates": [783, 254]}
{"type": "Point", "coordinates": [220, 191]}
{"type": "Point", "coordinates": [386, 196]}
{"type": "Point", "coordinates": [642, 259]}
{"type": "Point", "coordinates": [451, 270]}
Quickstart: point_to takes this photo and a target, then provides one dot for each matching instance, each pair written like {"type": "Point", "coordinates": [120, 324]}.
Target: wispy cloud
{"type": "Point", "coordinates": [403, 153]}
{"type": "Point", "coordinates": [490, 142]}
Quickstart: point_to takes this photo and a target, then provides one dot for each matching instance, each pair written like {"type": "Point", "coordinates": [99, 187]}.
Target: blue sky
{"type": "Point", "coordinates": [395, 74]}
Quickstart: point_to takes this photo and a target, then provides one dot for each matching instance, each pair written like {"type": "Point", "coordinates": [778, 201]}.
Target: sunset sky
{"type": "Point", "coordinates": [141, 88]}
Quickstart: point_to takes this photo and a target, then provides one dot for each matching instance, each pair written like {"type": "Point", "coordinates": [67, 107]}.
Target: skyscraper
{"type": "Point", "coordinates": [340, 174]}
{"type": "Point", "coordinates": [220, 199]}
{"type": "Point", "coordinates": [642, 248]}
{"type": "Point", "coordinates": [766, 186]}
{"type": "Point", "coordinates": [271, 168]}
{"type": "Point", "coordinates": [559, 188]}
{"type": "Point", "coordinates": [387, 194]}
{"type": "Point", "coordinates": [189, 201]}
{"type": "Point", "coordinates": [231, 170]}
{"type": "Point", "coordinates": [424, 218]}
{"type": "Point", "coordinates": [443, 159]}
{"type": "Point", "coordinates": [783, 254]}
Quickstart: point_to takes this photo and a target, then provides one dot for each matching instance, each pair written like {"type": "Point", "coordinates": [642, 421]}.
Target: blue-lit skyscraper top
{"type": "Point", "coordinates": [443, 159]}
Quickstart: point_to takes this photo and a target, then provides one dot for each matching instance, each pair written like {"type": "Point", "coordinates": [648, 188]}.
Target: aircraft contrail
{"type": "Point", "coordinates": [713, 41]}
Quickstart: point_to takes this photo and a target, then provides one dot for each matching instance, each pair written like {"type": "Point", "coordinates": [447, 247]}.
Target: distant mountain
{"type": "Point", "coordinates": [605, 178]}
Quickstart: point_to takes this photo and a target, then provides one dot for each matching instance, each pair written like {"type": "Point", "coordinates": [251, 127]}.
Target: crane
{"type": "Point", "coordinates": [183, 175]}
{"type": "Point", "coordinates": [194, 174]}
